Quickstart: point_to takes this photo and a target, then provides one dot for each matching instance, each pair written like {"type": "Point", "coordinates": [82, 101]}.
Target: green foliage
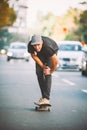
{"type": "Point", "coordinates": [49, 22]}
{"type": "Point", "coordinates": [76, 24]}
{"type": "Point", "coordinates": [6, 38]}
{"type": "Point", "coordinates": [83, 25]}
{"type": "Point", "coordinates": [7, 14]}
{"type": "Point", "coordinates": [74, 35]}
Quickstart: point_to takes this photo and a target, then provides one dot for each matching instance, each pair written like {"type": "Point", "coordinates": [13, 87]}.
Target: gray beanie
{"type": "Point", "coordinates": [35, 39]}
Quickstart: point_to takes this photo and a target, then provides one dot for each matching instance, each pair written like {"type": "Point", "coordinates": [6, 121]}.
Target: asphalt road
{"type": "Point", "coordinates": [19, 89]}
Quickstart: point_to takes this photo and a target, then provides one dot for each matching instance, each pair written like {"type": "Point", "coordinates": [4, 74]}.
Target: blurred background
{"type": "Point", "coordinates": [60, 20]}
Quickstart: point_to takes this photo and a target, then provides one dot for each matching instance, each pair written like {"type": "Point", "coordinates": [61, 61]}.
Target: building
{"type": "Point", "coordinates": [21, 9]}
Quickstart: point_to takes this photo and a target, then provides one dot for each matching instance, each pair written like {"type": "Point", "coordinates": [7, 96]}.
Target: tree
{"type": "Point", "coordinates": [83, 25]}
{"type": "Point", "coordinates": [7, 14]}
{"type": "Point", "coordinates": [6, 38]}
{"type": "Point", "coordinates": [67, 25]}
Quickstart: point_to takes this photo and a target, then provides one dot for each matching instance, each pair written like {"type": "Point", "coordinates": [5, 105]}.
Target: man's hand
{"type": "Point", "coordinates": [46, 70]}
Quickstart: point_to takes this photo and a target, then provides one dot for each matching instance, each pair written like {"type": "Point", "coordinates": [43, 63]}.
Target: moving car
{"type": "Point", "coordinates": [17, 50]}
{"type": "Point", "coordinates": [70, 55]}
{"type": "Point", "coordinates": [84, 61]}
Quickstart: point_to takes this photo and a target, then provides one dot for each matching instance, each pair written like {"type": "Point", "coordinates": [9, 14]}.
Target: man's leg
{"type": "Point", "coordinates": [47, 86]}
{"type": "Point", "coordinates": [48, 81]}
{"type": "Point", "coordinates": [40, 78]}
{"type": "Point", "coordinates": [44, 81]}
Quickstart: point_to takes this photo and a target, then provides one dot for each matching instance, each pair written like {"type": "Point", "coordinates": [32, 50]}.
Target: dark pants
{"type": "Point", "coordinates": [44, 80]}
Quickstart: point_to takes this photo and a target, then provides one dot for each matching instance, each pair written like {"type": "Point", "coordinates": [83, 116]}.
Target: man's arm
{"type": "Point", "coordinates": [54, 59]}
{"type": "Point", "coordinates": [37, 60]}
{"type": "Point", "coordinates": [40, 63]}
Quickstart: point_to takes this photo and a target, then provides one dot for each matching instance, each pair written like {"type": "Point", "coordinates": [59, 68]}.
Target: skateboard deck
{"type": "Point", "coordinates": [43, 107]}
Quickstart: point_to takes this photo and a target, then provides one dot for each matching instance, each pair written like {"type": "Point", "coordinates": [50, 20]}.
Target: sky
{"type": "Point", "coordinates": [57, 7]}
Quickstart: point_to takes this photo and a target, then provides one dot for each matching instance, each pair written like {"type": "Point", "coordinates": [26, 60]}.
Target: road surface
{"type": "Point", "coordinates": [19, 89]}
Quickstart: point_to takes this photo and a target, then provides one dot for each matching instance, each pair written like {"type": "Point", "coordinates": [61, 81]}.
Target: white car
{"type": "Point", "coordinates": [84, 61]}
{"type": "Point", "coordinates": [70, 55]}
{"type": "Point", "coordinates": [18, 50]}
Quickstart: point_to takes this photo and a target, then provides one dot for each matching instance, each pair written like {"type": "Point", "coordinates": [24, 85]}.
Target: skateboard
{"type": "Point", "coordinates": [42, 107]}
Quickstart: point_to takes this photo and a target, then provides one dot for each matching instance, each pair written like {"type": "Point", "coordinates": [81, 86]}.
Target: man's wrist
{"type": "Point", "coordinates": [51, 71]}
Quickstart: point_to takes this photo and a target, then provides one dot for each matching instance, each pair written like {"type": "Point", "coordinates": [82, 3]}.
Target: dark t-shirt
{"type": "Point", "coordinates": [49, 48]}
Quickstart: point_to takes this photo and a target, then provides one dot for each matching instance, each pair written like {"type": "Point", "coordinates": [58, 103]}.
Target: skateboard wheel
{"type": "Point", "coordinates": [48, 109]}
{"type": "Point", "coordinates": [36, 108]}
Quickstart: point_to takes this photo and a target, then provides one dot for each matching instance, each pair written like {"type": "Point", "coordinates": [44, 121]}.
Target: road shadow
{"type": "Point", "coordinates": [29, 109]}
{"type": "Point", "coordinates": [17, 109]}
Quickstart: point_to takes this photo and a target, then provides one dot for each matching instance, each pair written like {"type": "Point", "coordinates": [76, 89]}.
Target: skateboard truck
{"type": "Point", "coordinates": [42, 107]}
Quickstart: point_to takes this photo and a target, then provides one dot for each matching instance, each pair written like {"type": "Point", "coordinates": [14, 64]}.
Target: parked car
{"type": "Point", "coordinates": [70, 55]}
{"type": "Point", "coordinates": [84, 61]}
{"type": "Point", "coordinates": [18, 50]}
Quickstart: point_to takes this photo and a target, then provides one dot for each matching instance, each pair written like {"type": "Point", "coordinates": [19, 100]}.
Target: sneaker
{"type": "Point", "coordinates": [44, 101]}
{"type": "Point", "coordinates": [40, 100]}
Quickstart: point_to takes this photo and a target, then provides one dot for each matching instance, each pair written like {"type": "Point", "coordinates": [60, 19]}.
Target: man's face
{"type": "Point", "coordinates": [38, 46]}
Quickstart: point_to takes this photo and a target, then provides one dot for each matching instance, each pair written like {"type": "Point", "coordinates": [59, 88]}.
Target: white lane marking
{"type": "Point", "coordinates": [68, 82]}
{"type": "Point", "coordinates": [84, 90]}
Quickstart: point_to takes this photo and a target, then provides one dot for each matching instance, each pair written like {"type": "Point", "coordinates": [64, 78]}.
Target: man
{"type": "Point", "coordinates": [44, 52]}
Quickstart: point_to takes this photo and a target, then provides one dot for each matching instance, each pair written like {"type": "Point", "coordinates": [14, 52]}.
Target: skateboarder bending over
{"type": "Point", "coordinates": [44, 52]}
